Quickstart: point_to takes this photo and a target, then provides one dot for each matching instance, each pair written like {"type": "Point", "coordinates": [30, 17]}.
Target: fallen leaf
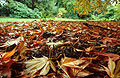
{"type": "Point", "coordinates": [71, 62]}
{"type": "Point", "coordinates": [8, 55]}
{"type": "Point", "coordinates": [76, 72]}
{"type": "Point", "coordinates": [111, 66]}
{"type": "Point", "coordinates": [111, 55]}
{"type": "Point", "coordinates": [13, 41]}
{"type": "Point", "coordinates": [37, 64]}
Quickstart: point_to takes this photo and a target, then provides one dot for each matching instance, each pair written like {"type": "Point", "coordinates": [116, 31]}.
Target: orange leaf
{"type": "Point", "coordinates": [8, 54]}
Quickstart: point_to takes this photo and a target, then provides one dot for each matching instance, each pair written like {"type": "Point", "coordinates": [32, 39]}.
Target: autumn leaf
{"type": "Point", "coordinates": [113, 70]}
{"type": "Point", "coordinates": [5, 69]}
{"type": "Point", "coordinates": [112, 41]}
{"type": "Point", "coordinates": [76, 72]}
{"type": "Point", "coordinates": [111, 55]}
{"type": "Point", "coordinates": [71, 62]}
{"type": "Point", "coordinates": [21, 50]}
{"type": "Point", "coordinates": [37, 64]}
{"type": "Point", "coordinates": [89, 49]}
{"type": "Point", "coordinates": [117, 70]}
{"type": "Point", "coordinates": [12, 41]}
{"type": "Point", "coordinates": [85, 48]}
{"type": "Point", "coordinates": [75, 65]}
{"type": "Point", "coordinates": [8, 55]}
{"type": "Point", "coordinates": [111, 66]}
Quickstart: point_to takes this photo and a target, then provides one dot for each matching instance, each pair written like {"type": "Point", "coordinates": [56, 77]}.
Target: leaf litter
{"type": "Point", "coordinates": [60, 49]}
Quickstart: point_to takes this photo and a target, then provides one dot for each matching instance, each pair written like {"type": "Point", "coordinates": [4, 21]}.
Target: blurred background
{"type": "Point", "coordinates": [99, 10]}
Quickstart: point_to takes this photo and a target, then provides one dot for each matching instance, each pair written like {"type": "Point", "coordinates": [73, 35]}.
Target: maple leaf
{"type": "Point", "coordinates": [37, 64]}
{"type": "Point", "coordinates": [75, 65]}
{"type": "Point", "coordinates": [13, 41]}
{"type": "Point", "coordinates": [113, 70]}
{"type": "Point", "coordinates": [71, 62]}
{"type": "Point", "coordinates": [76, 72]}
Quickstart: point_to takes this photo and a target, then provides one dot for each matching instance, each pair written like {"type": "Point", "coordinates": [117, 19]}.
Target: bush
{"type": "Point", "coordinates": [19, 10]}
{"type": "Point", "coordinates": [112, 14]}
{"type": "Point", "coordinates": [117, 12]}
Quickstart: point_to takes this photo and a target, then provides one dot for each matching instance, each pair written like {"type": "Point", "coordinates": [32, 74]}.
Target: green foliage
{"type": "Point", "coordinates": [62, 10]}
{"type": "Point", "coordinates": [117, 12]}
{"type": "Point", "coordinates": [68, 6]}
{"type": "Point", "coordinates": [48, 8]}
{"type": "Point", "coordinates": [19, 10]}
{"type": "Point", "coordinates": [70, 10]}
{"type": "Point", "coordinates": [112, 14]}
{"type": "Point", "coordinates": [43, 8]}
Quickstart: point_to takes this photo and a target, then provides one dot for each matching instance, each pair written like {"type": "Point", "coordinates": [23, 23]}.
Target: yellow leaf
{"type": "Point", "coordinates": [111, 66]}
{"type": "Point", "coordinates": [117, 68]}
{"type": "Point", "coordinates": [36, 64]}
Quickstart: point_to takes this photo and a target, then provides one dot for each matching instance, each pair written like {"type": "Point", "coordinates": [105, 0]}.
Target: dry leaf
{"type": "Point", "coordinates": [111, 71]}
{"type": "Point", "coordinates": [37, 64]}
{"type": "Point", "coordinates": [111, 66]}
{"type": "Point", "coordinates": [8, 55]}
{"type": "Point", "coordinates": [117, 70]}
{"type": "Point", "coordinates": [71, 62]}
{"type": "Point", "coordinates": [5, 68]}
{"type": "Point", "coordinates": [13, 41]}
{"type": "Point", "coordinates": [76, 72]}
{"type": "Point", "coordinates": [111, 55]}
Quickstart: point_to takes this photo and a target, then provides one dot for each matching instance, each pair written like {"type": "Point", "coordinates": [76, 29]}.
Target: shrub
{"type": "Point", "coordinates": [19, 10]}
{"type": "Point", "coordinates": [117, 12]}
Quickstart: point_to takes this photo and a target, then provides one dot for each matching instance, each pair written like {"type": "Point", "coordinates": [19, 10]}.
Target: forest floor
{"type": "Point", "coordinates": [60, 49]}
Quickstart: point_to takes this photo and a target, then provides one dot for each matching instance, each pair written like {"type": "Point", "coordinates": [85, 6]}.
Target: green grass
{"type": "Point", "coordinates": [7, 19]}
{"type": "Point", "coordinates": [63, 19]}
{"type": "Point", "coordinates": [16, 19]}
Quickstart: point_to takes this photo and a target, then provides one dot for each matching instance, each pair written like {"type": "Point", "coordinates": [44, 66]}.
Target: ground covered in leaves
{"type": "Point", "coordinates": [60, 49]}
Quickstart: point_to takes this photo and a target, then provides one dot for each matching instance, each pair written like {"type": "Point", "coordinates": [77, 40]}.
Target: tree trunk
{"type": "Point", "coordinates": [32, 4]}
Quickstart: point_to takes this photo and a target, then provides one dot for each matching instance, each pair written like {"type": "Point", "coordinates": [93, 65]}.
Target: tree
{"type": "Point", "coordinates": [83, 7]}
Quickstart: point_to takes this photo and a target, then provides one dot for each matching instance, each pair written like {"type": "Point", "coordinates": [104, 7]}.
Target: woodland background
{"type": "Point", "coordinates": [61, 8]}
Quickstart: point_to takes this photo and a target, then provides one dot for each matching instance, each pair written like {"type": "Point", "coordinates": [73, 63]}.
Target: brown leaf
{"type": "Point", "coordinates": [76, 72]}
{"type": "Point", "coordinates": [111, 55]}
{"type": "Point", "coordinates": [5, 69]}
